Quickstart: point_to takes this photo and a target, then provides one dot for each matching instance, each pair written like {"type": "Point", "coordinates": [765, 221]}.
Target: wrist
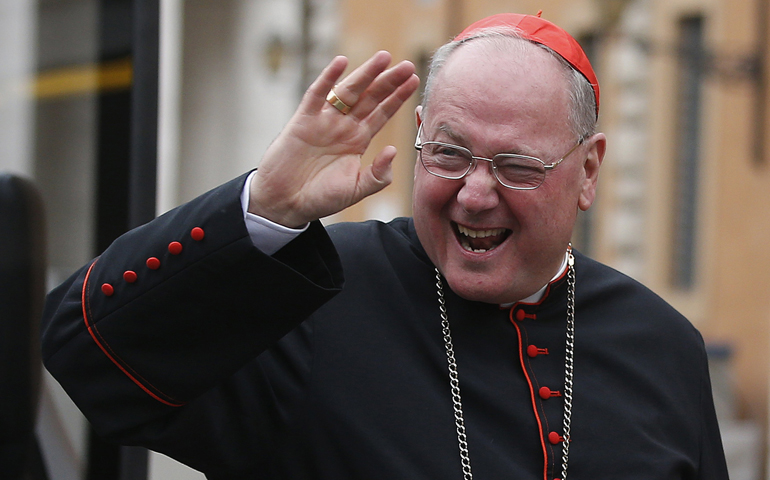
{"type": "Point", "coordinates": [254, 203]}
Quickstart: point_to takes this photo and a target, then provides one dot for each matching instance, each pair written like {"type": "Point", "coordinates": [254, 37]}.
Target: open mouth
{"type": "Point", "coordinates": [480, 241]}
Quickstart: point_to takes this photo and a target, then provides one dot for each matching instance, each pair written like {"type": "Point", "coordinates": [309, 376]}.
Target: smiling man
{"type": "Point", "coordinates": [497, 235]}
{"type": "Point", "coordinates": [468, 339]}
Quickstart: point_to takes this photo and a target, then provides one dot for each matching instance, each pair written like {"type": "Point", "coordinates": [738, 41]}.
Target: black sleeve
{"type": "Point", "coordinates": [175, 307]}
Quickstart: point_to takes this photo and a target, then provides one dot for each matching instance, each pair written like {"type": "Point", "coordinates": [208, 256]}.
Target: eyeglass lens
{"type": "Point", "coordinates": [454, 162]}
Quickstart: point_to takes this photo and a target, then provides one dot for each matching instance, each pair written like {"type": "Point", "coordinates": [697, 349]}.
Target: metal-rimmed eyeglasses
{"type": "Point", "coordinates": [518, 172]}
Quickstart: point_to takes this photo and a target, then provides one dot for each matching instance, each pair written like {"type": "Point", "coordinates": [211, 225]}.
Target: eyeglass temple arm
{"type": "Point", "coordinates": [557, 162]}
{"type": "Point", "coordinates": [417, 142]}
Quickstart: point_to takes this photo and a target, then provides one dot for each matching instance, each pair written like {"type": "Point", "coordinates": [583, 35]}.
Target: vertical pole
{"type": "Point", "coordinates": [113, 144]}
{"type": "Point", "coordinates": [169, 102]}
{"type": "Point", "coordinates": [144, 112]}
{"type": "Point", "coordinates": [143, 161]}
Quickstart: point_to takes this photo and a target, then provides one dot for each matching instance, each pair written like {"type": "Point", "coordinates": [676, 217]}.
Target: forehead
{"type": "Point", "coordinates": [502, 84]}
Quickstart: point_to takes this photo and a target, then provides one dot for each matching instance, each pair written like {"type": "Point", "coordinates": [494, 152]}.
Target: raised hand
{"type": "Point", "coordinates": [313, 168]}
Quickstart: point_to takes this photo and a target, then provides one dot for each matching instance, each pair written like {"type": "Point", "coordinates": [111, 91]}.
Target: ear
{"type": "Point", "coordinates": [597, 146]}
{"type": "Point", "coordinates": [418, 121]}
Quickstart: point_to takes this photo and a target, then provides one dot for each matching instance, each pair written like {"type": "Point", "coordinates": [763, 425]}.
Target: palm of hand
{"type": "Point", "coordinates": [314, 169]}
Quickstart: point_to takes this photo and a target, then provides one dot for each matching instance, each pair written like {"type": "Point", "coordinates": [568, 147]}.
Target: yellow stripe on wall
{"type": "Point", "coordinates": [62, 82]}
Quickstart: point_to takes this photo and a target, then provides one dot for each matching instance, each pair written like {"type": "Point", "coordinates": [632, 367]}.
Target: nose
{"type": "Point", "coordinates": [480, 189]}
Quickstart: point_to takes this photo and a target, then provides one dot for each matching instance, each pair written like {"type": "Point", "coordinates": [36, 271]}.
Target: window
{"type": "Point", "coordinates": [691, 72]}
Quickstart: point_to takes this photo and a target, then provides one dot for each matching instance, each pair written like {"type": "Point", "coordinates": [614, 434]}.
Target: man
{"type": "Point", "coordinates": [469, 339]}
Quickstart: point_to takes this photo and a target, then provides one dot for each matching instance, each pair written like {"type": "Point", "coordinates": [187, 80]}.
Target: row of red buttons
{"type": "Point", "coordinates": [544, 392]}
{"type": "Point", "coordinates": [153, 263]}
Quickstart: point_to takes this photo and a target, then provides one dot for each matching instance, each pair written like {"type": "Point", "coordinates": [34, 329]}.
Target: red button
{"type": "Point", "coordinates": [533, 351]}
{"type": "Point", "coordinates": [175, 248]}
{"type": "Point", "coordinates": [107, 289]}
{"type": "Point", "coordinates": [129, 276]}
{"type": "Point", "coordinates": [197, 234]}
{"type": "Point", "coordinates": [545, 393]}
{"type": "Point", "coordinates": [521, 315]}
{"type": "Point", "coordinates": [554, 438]}
{"type": "Point", "coordinates": [153, 263]}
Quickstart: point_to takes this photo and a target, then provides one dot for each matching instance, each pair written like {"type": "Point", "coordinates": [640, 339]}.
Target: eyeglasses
{"type": "Point", "coordinates": [519, 172]}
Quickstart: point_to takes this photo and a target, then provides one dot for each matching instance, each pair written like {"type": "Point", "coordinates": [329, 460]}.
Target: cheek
{"type": "Point", "coordinates": [564, 192]}
{"type": "Point", "coordinates": [430, 199]}
{"type": "Point", "coordinates": [542, 213]}
{"type": "Point", "coordinates": [430, 195]}
{"type": "Point", "coordinates": [557, 213]}
{"type": "Point", "coordinates": [422, 203]}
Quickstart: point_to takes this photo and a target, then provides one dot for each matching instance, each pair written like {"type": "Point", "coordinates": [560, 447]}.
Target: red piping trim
{"type": "Point", "coordinates": [95, 333]}
{"type": "Point", "coordinates": [532, 396]}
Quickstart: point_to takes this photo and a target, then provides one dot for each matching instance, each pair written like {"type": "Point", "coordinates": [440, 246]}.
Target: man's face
{"type": "Point", "coordinates": [492, 102]}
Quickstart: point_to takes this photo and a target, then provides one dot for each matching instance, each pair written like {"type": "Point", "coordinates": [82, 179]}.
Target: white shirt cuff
{"type": "Point", "coordinates": [267, 236]}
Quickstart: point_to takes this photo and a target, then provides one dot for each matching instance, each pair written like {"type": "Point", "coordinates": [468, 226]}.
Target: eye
{"type": "Point", "coordinates": [448, 151]}
{"type": "Point", "coordinates": [520, 171]}
{"type": "Point", "coordinates": [445, 157]}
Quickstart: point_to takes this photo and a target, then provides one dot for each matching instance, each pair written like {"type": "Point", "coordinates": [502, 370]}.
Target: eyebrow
{"type": "Point", "coordinates": [454, 136]}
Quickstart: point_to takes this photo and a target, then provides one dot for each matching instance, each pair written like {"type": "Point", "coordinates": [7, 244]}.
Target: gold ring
{"type": "Point", "coordinates": [332, 98]}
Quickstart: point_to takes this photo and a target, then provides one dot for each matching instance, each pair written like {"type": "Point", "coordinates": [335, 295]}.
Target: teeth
{"type": "Point", "coordinates": [467, 233]}
{"type": "Point", "coordinates": [480, 233]}
{"type": "Point", "coordinates": [466, 245]}
{"type": "Point", "coordinates": [476, 250]}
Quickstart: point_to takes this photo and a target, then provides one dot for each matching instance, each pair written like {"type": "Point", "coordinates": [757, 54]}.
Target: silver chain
{"type": "Point", "coordinates": [454, 383]}
{"type": "Point", "coordinates": [454, 378]}
{"type": "Point", "coordinates": [569, 355]}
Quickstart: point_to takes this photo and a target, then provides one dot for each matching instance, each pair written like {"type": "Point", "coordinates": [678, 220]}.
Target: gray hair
{"type": "Point", "coordinates": [582, 117]}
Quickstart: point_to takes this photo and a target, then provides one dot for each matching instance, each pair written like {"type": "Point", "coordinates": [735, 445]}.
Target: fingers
{"type": "Point", "coordinates": [378, 175]}
{"type": "Point", "coordinates": [365, 88]}
{"type": "Point", "coordinates": [315, 96]}
{"type": "Point", "coordinates": [349, 90]}
{"type": "Point", "coordinates": [382, 87]}
{"type": "Point", "coordinates": [385, 109]}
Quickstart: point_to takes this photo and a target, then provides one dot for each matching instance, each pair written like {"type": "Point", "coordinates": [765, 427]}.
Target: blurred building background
{"type": "Point", "coordinates": [685, 99]}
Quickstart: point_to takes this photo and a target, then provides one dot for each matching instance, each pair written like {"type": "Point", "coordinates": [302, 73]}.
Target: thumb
{"type": "Point", "coordinates": [378, 175]}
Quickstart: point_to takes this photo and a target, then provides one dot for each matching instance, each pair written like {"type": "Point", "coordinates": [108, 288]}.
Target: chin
{"type": "Point", "coordinates": [477, 291]}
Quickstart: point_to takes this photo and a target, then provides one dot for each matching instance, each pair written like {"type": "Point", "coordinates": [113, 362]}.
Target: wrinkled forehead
{"type": "Point", "coordinates": [500, 106]}
{"type": "Point", "coordinates": [491, 60]}
{"type": "Point", "coordinates": [505, 52]}
{"type": "Point", "coordinates": [501, 76]}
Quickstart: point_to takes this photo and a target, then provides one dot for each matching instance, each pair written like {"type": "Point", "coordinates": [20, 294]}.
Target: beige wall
{"type": "Point", "coordinates": [729, 302]}
{"type": "Point", "coordinates": [739, 221]}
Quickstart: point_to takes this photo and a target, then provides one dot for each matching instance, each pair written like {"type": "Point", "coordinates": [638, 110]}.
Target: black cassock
{"type": "Point", "coordinates": [190, 341]}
